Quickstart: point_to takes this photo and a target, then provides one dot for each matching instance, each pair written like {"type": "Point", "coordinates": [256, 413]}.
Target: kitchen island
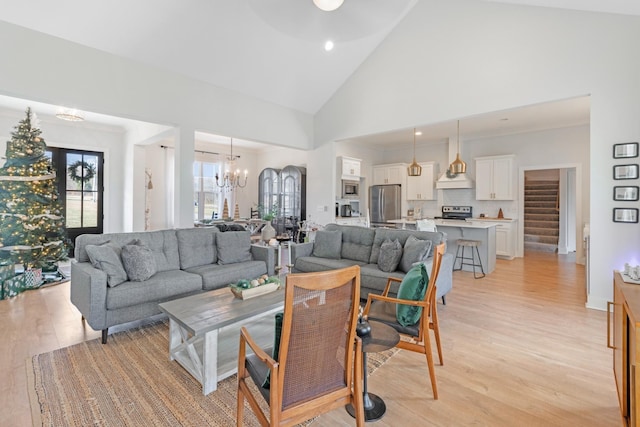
{"type": "Point", "coordinates": [483, 231]}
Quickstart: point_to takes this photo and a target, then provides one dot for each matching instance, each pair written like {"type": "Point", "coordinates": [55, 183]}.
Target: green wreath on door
{"type": "Point", "coordinates": [76, 170]}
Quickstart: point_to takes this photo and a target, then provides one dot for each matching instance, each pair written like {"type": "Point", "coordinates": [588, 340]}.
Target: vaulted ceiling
{"type": "Point", "coordinates": [272, 50]}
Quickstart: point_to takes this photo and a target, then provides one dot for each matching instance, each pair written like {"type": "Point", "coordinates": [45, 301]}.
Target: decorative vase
{"type": "Point", "coordinates": [268, 232]}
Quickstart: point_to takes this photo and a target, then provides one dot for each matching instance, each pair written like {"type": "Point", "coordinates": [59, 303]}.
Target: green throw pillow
{"type": "Point", "coordinates": [276, 347]}
{"type": "Point", "coordinates": [413, 287]}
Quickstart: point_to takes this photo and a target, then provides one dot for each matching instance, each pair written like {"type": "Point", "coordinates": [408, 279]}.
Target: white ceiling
{"type": "Point", "coordinates": [272, 50]}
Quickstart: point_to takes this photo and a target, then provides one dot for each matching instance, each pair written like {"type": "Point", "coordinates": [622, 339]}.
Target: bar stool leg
{"type": "Point", "coordinates": [470, 260]}
{"type": "Point", "coordinates": [458, 257]}
{"type": "Point", "coordinates": [476, 265]}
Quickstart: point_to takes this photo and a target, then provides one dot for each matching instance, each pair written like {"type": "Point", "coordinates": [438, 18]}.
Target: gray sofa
{"type": "Point", "coordinates": [361, 246]}
{"type": "Point", "coordinates": [187, 261]}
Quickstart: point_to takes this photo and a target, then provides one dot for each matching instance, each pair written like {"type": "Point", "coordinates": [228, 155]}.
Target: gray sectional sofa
{"type": "Point", "coordinates": [361, 246]}
{"type": "Point", "coordinates": [183, 262]}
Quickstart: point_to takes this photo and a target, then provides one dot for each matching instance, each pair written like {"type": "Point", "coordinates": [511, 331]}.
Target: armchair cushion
{"type": "Point", "coordinates": [138, 261]}
{"type": "Point", "coordinates": [276, 346]}
{"type": "Point", "coordinates": [327, 244]}
{"type": "Point", "coordinates": [415, 250]}
{"type": "Point", "coordinates": [106, 257]}
{"type": "Point", "coordinates": [390, 255]}
{"type": "Point", "coordinates": [413, 287]}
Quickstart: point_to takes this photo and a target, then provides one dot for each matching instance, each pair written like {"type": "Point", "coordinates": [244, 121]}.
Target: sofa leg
{"type": "Point", "coordinates": [105, 332]}
{"type": "Point", "coordinates": [443, 301]}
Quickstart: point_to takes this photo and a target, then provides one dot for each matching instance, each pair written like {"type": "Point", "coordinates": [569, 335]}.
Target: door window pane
{"type": "Point", "coordinates": [74, 209]}
{"type": "Point", "coordinates": [89, 210]}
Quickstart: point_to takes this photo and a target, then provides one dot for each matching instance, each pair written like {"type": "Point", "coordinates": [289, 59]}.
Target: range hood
{"type": "Point", "coordinates": [461, 180]}
{"type": "Point", "coordinates": [450, 180]}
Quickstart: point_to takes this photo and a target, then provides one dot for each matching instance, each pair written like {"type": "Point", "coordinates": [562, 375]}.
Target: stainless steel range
{"type": "Point", "coordinates": [457, 212]}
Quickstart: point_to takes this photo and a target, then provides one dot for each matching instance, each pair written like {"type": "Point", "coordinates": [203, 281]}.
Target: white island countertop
{"type": "Point", "coordinates": [448, 223]}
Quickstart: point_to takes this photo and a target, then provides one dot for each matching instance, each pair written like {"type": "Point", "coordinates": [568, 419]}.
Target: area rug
{"type": "Point", "coordinates": [130, 382]}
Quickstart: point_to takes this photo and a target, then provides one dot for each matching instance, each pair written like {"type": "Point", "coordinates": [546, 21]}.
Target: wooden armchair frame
{"type": "Point", "coordinates": [420, 342]}
{"type": "Point", "coordinates": [303, 291]}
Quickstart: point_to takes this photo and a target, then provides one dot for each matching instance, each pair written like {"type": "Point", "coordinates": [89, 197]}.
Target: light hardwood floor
{"type": "Point", "coordinates": [520, 349]}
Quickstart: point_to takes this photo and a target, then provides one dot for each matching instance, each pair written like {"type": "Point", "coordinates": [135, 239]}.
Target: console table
{"type": "Point", "coordinates": [623, 336]}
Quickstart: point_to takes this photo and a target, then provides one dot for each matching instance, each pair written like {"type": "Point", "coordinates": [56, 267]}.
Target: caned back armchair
{"type": "Point", "coordinates": [319, 362]}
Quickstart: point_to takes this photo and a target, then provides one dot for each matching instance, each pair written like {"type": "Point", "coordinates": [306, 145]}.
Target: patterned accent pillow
{"type": "Point", "coordinates": [415, 250]}
{"type": "Point", "coordinates": [106, 257]}
{"type": "Point", "coordinates": [139, 261]}
{"type": "Point", "coordinates": [390, 255]}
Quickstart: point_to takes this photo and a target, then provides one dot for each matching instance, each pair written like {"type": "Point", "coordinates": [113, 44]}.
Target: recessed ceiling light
{"type": "Point", "coordinates": [328, 46]}
{"type": "Point", "coordinates": [418, 133]}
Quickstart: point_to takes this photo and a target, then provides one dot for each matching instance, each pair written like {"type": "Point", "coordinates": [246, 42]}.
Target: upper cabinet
{"type": "Point", "coordinates": [389, 174]}
{"type": "Point", "coordinates": [350, 168]}
{"type": "Point", "coordinates": [495, 178]}
{"type": "Point", "coordinates": [421, 187]}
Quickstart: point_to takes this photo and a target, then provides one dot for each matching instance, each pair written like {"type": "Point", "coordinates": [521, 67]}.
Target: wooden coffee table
{"type": "Point", "coordinates": [204, 331]}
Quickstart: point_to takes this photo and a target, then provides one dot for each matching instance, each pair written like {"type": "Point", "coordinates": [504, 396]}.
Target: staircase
{"type": "Point", "coordinates": [541, 216]}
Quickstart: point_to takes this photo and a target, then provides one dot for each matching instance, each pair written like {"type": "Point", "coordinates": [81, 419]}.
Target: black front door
{"type": "Point", "coordinates": [80, 184]}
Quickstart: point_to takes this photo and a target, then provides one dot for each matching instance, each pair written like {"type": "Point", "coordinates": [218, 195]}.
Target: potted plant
{"type": "Point", "coordinates": [268, 214]}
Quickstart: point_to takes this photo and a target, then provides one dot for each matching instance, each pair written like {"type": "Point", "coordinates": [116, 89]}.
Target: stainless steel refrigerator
{"type": "Point", "coordinates": [384, 204]}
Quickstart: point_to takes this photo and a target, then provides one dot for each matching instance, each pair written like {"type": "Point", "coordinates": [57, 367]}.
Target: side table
{"type": "Point", "coordinates": [382, 337]}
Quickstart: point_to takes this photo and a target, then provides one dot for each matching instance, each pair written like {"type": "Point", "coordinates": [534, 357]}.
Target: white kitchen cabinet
{"type": "Point", "coordinates": [421, 187]}
{"type": "Point", "coordinates": [389, 174]}
{"type": "Point", "coordinates": [505, 239]}
{"type": "Point", "coordinates": [495, 178]}
{"type": "Point", "coordinates": [350, 167]}
{"type": "Point", "coordinates": [506, 236]}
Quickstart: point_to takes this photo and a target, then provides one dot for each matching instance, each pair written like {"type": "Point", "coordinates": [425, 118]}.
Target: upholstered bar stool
{"type": "Point", "coordinates": [472, 244]}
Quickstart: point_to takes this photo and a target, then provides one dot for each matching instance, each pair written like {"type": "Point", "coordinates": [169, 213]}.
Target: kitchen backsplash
{"type": "Point", "coordinates": [466, 197]}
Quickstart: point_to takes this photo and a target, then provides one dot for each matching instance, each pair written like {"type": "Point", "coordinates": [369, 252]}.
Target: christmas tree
{"type": "Point", "coordinates": [32, 227]}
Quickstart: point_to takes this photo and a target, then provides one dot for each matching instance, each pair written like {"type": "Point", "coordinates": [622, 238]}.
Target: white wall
{"type": "Point", "coordinates": [455, 58]}
{"type": "Point", "coordinates": [92, 80]}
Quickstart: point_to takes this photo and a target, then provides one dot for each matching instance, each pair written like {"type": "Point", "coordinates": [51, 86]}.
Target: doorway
{"type": "Point", "coordinates": [542, 210]}
{"type": "Point", "coordinates": [81, 189]}
{"type": "Point", "coordinates": [568, 206]}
